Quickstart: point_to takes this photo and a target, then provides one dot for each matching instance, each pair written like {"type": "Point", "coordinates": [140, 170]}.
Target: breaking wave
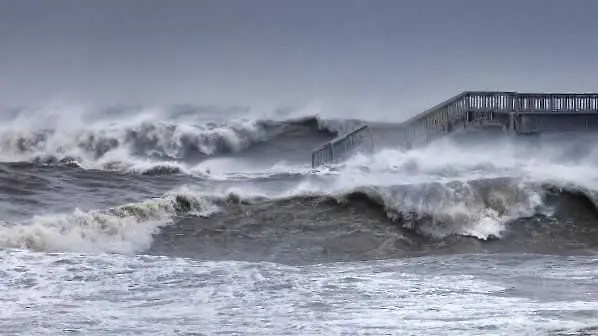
{"type": "Point", "coordinates": [124, 229]}
{"type": "Point", "coordinates": [158, 143]}
{"type": "Point", "coordinates": [480, 209]}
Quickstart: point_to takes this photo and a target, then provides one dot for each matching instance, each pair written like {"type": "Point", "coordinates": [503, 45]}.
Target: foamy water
{"type": "Point", "coordinates": [394, 177]}
{"type": "Point", "coordinates": [81, 254]}
{"type": "Point", "coordinates": [100, 294]}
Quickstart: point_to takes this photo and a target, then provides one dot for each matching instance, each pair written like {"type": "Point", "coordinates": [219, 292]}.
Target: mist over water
{"type": "Point", "coordinates": [191, 163]}
{"type": "Point", "coordinates": [155, 172]}
{"type": "Point", "coordinates": [185, 196]}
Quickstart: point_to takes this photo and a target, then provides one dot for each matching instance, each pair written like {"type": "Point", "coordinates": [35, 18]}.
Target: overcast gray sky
{"type": "Point", "coordinates": [370, 53]}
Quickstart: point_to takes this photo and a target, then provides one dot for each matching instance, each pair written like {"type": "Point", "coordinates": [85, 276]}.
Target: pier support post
{"type": "Point", "coordinates": [511, 122]}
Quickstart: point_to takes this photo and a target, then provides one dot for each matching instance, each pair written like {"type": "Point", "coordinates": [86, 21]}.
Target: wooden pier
{"type": "Point", "coordinates": [514, 113]}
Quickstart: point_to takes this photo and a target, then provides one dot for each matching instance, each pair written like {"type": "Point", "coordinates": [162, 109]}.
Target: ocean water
{"type": "Point", "coordinates": [205, 221]}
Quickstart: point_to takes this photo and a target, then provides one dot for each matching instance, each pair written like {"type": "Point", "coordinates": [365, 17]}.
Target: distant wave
{"type": "Point", "coordinates": [114, 145]}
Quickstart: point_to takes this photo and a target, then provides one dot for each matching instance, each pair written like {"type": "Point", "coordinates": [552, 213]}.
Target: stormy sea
{"type": "Point", "coordinates": [211, 221]}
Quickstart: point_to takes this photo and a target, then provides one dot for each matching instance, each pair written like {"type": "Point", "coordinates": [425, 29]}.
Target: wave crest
{"type": "Point", "coordinates": [103, 145]}
{"type": "Point", "coordinates": [124, 229]}
{"type": "Point", "coordinates": [481, 209]}
{"type": "Point", "coordinates": [478, 208]}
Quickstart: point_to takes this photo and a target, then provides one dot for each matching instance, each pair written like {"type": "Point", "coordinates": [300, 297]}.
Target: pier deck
{"type": "Point", "coordinates": [515, 113]}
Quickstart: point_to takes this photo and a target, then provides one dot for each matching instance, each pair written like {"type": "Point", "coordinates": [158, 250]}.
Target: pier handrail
{"type": "Point", "coordinates": [468, 109]}
{"type": "Point", "coordinates": [339, 147]}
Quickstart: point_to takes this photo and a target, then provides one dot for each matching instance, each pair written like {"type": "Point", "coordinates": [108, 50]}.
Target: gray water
{"type": "Point", "coordinates": [186, 224]}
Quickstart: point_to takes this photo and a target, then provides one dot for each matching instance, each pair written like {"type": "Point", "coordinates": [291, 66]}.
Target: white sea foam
{"type": "Point", "coordinates": [449, 295]}
{"type": "Point", "coordinates": [125, 229]}
{"type": "Point", "coordinates": [454, 170]}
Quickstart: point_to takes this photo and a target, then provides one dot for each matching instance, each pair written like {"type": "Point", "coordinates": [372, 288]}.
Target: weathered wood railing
{"type": "Point", "coordinates": [518, 113]}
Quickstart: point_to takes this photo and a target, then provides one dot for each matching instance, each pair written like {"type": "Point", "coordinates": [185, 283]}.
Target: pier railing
{"type": "Point", "coordinates": [513, 112]}
{"type": "Point", "coordinates": [342, 146]}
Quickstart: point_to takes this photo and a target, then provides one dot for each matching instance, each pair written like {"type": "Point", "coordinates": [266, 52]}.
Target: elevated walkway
{"type": "Point", "coordinates": [512, 112]}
